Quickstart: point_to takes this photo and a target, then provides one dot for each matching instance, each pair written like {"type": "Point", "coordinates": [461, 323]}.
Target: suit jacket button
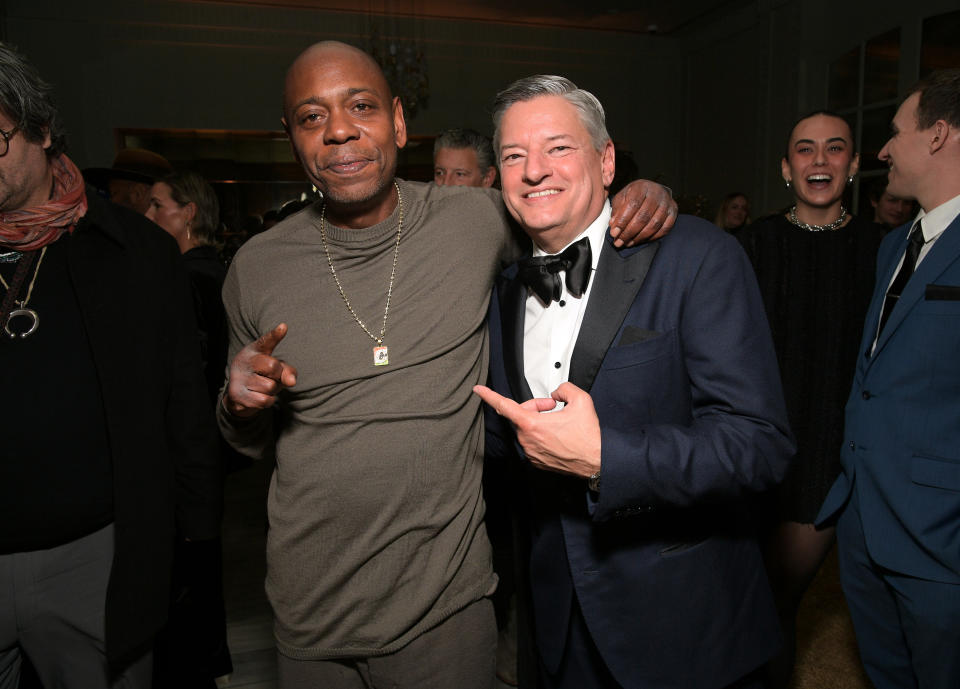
{"type": "Point", "coordinates": [866, 395]}
{"type": "Point", "coordinates": [853, 446]}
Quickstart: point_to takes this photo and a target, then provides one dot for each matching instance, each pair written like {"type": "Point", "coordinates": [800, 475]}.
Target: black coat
{"type": "Point", "coordinates": [136, 306]}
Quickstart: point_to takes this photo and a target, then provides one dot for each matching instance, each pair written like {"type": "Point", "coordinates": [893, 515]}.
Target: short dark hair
{"type": "Point", "coordinates": [467, 138]}
{"type": "Point", "coordinates": [27, 99]}
{"type": "Point", "coordinates": [825, 113]}
{"type": "Point", "coordinates": [189, 187]}
{"type": "Point", "coordinates": [939, 98]}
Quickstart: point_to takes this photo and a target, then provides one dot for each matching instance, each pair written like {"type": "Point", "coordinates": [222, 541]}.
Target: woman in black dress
{"type": "Point", "coordinates": [815, 265]}
{"type": "Point", "coordinates": [192, 650]}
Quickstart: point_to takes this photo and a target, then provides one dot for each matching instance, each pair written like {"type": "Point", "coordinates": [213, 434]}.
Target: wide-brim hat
{"type": "Point", "coordinates": [135, 164]}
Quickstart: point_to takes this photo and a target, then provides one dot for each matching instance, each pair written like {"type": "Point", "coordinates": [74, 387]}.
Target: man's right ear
{"type": "Point", "coordinates": [489, 178]}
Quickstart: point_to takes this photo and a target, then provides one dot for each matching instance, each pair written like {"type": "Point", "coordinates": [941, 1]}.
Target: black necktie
{"type": "Point", "coordinates": [914, 244]}
{"type": "Point", "coordinates": [539, 273]}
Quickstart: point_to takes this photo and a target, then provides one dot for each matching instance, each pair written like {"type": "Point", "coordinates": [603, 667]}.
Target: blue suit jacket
{"type": "Point", "coordinates": [901, 451]}
{"type": "Point", "coordinates": [676, 352]}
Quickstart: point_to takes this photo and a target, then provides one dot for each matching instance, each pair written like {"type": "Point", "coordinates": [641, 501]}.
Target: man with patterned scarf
{"type": "Point", "coordinates": [108, 450]}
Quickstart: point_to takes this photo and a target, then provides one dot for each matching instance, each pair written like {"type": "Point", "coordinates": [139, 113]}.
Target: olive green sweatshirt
{"type": "Point", "coordinates": [375, 507]}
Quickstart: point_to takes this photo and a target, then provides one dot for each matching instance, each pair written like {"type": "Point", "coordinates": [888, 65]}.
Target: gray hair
{"type": "Point", "coordinates": [467, 138]}
{"type": "Point", "coordinates": [187, 187]}
{"type": "Point", "coordinates": [27, 99]}
{"type": "Point", "coordinates": [588, 107]}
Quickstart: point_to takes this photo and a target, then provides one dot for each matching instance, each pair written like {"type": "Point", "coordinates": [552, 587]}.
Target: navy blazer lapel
{"type": "Point", "coordinates": [944, 252]}
{"type": "Point", "coordinates": [618, 278]}
{"type": "Point", "coordinates": [513, 299]}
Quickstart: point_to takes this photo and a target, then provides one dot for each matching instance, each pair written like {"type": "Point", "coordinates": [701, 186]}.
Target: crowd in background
{"type": "Point", "coordinates": [815, 265]}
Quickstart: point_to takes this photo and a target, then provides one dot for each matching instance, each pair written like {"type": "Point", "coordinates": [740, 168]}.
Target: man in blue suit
{"type": "Point", "coordinates": [898, 497]}
{"type": "Point", "coordinates": [644, 569]}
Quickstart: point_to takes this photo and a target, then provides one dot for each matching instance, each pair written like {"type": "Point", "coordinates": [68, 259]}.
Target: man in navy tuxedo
{"type": "Point", "coordinates": [897, 500]}
{"type": "Point", "coordinates": [644, 569]}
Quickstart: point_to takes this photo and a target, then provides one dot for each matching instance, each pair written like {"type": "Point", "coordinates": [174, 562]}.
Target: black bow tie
{"type": "Point", "coordinates": [539, 273]}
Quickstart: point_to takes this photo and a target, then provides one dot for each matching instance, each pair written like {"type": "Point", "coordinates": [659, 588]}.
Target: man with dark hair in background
{"type": "Point", "coordinates": [463, 157]}
{"type": "Point", "coordinates": [109, 449]}
{"type": "Point", "coordinates": [888, 210]}
{"type": "Point", "coordinates": [897, 501]}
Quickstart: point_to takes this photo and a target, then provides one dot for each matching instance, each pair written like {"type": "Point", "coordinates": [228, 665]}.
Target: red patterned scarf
{"type": "Point", "coordinates": [28, 229]}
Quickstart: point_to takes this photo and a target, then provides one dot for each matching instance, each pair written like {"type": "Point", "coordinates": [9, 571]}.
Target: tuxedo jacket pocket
{"type": "Point", "coordinates": [633, 334]}
{"type": "Point", "coordinates": [942, 293]}
{"type": "Point", "coordinates": [637, 346]}
{"type": "Point", "coordinates": [935, 472]}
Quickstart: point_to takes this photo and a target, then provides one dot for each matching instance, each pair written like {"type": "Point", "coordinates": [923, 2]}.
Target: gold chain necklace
{"type": "Point", "coordinates": [380, 352]}
{"type": "Point", "coordinates": [22, 311]}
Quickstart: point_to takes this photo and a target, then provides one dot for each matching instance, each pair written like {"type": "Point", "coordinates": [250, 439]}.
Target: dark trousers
{"type": "Point", "coordinates": [582, 666]}
{"type": "Point", "coordinates": [908, 629]}
{"type": "Point", "coordinates": [191, 650]}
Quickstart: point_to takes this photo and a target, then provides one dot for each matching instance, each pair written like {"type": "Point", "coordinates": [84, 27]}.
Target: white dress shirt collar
{"type": "Point", "coordinates": [939, 218]}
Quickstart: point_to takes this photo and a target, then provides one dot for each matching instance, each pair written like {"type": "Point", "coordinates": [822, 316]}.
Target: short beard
{"type": "Point", "coordinates": [346, 201]}
{"type": "Point", "coordinates": [351, 197]}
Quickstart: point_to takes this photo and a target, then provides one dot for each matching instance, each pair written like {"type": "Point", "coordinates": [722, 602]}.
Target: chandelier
{"type": "Point", "coordinates": [403, 63]}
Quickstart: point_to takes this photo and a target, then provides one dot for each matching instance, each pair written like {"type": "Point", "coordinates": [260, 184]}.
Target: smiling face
{"type": "Point", "coordinates": [736, 212]}
{"type": "Point", "coordinates": [907, 152]}
{"type": "Point", "coordinates": [345, 130]}
{"type": "Point", "coordinates": [459, 167]}
{"type": "Point", "coordinates": [819, 160]}
{"type": "Point", "coordinates": [891, 211]}
{"type": "Point", "coordinates": [554, 180]}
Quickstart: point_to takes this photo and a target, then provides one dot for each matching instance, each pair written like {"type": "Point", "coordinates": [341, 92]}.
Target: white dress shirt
{"type": "Point", "coordinates": [550, 332]}
{"type": "Point", "coordinates": [934, 223]}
